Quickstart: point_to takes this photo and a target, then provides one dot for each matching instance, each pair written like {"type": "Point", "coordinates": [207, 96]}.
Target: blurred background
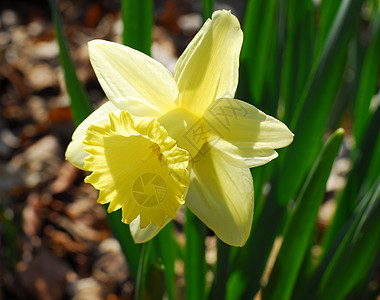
{"type": "Point", "coordinates": [55, 242]}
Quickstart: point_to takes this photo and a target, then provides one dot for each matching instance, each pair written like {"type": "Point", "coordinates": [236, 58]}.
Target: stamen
{"type": "Point", "coordinates": [156, 150]}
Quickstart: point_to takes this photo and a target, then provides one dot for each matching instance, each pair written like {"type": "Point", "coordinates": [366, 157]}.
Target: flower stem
{"type": "Point", "coordinates": [218, 290]}
{"type": "Point", "coordinates": [141, 274]}
{"type": "Point", "coordinates": [195, 266]}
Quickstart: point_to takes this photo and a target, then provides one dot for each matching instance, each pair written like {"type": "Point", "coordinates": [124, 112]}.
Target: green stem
{"type": "Point", "coordinates": [218, 290]}
{"type": "Point", "coordinates": [195, 265]}
{"type": "Point", "coordinates": [141, 274]}
{"type": "Point", "coordinates": [166, 248]}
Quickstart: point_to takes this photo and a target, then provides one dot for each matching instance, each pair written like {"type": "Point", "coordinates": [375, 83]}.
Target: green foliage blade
{"type": "Point", "coordinates": [218, 290]}
{"type": "Point", "coordinates": [208, 8]}
{"type": "Point", "coordinates": [329, 10]}
{"type": "Point", "coordinates": [250, 262]}
{"type": "Point", "coordinates": [357, 257]}
{"type": "Point", "coordinates": [368, 81]}
{"type": "Point", "coordinates": [138, 22]}
{"type": "Point", "coordinates": [301, 226]}
{"type": "Point", "coordinates": [335, 258]}
{"type": "Point", "coordinates": [312, 111]}
{"type": "Point", "coordinates": [299, 44]}
{"type": "Point", "coordinates": [356, 177]}
{"type": "Point", "coordinates": [80, 105]}
{"type": "Point", "coordinates": [258, 30]}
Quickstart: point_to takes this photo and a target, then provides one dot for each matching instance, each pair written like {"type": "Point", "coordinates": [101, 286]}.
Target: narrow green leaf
{"type": "Point", "coordinates": [319, 279]}
{"type": "Point", "coordinates": [349, 85]}
{"type": "Point", "coordinates": [328, 13]}
{"type": "Point", "coordinates": [270, 94]}
{"type": "Point", "coordinates": [357, 257]}
{"type": "Point", "coordinates": [208, 8]}
{"type": "Point", "coordinates": [373, 169]}
{"type": "Point", "coordinates": [366, 291]}
{"type": "Point", "coordinates": [138, 22]}
{"type": "Point", "coordinates": [261, 176]}
{"type": "Point", "coordinates": [368, 83]}
{"type": "Point", "coordinates": [258, 29]}
{"type": "Point", "coordinates": [299, 44]}
{"type": "Point", "coordinates": [356, 177]}
{"type": "Point", "coordinates": [80, 105]}
{"type": "Point", "coordinates": [302, 222]}
{"type": "Point", "coordinates": [195, 265]}
{"type": "Point", "coordinates": [218, 290]}
{"type": "Point", "coordinates": [312, 111]}
{"type": "Point", "coordinates": [250, 262]}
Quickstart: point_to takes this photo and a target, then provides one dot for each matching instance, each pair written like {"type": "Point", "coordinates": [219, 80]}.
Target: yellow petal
{"type": "Point", "coordinates": [221, 195]}
{"type": "Point", "coordinates": [74, 153]}
{"type": "Point", "coordinates": [244, 135]}
{"type": "Point", "coordinates": [208, 68]}
{"type": "Point", "coordinates": [132, 80]}
{"type": "Point", "coordinates": [137, 167]}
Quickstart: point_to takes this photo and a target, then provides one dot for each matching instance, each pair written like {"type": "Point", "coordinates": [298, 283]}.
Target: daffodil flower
{"type": "Point", "coordinates": [163, 140]}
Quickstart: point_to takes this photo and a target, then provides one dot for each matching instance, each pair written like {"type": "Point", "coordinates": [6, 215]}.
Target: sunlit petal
{"type": "Point", "coordinates": [208, 68]}
{"type": "Point", "coordinates": [132, 80]}
{"type": "Point", "coordinates": [74, 152]}
{"type": "Point", "coordinates": [221, 195]}
{"type": "Point", "coordinates": [244, 135]}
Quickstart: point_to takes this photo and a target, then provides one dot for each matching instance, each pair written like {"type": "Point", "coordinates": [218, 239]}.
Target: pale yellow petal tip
{"type": "Point", "coordinates": [137, 167]}
{"type": "Point", "coordinates": [236, 241]}
{"type": "Point", "coordinates": [68, 152]}
{"type": "Point", "coordinates": [75, 155]}
{"type": "Point", "coordinates": [94, 45]}
{"type": "Point", "coordinates": [240, 236]}
{"type": "Point", "coordinates": [98, 42]}
{"type": "Point", "coordinates": [225, 14]}
{"type": "Point", "coordinates": [291, 138]}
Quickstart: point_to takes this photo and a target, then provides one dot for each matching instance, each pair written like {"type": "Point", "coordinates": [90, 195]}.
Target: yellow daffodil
{"type": "Point", "coordinates": [163, 140]}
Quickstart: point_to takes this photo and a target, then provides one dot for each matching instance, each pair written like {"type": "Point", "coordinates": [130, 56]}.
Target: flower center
{"type": "Point", "coordinates": [190, 131]}
{"type": "Point", "coordinates": [156, 150]}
